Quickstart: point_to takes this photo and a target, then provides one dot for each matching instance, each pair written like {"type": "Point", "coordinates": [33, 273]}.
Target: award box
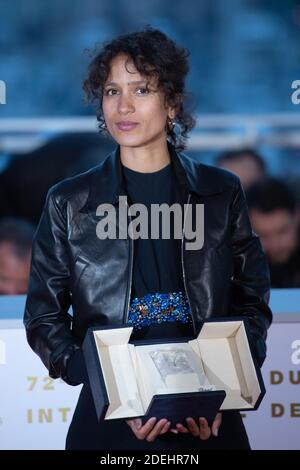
{"type": "Point", "coordinates": [172, 378]}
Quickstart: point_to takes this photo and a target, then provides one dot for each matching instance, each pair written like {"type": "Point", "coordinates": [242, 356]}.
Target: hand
{"type": "Point", "coordinates": [150, 430]}
{"type": "Point", "coordinates": [201, 430]}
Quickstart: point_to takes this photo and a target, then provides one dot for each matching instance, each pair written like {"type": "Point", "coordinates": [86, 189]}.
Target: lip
{"type": "Point", "coordinates": [126, 125]}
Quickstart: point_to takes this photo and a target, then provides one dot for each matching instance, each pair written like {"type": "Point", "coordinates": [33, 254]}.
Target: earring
{"type": "Point", "coordinates": [171, 124]}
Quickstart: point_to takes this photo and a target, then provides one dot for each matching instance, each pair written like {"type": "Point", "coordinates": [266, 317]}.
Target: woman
{"type": "Point", "coordinates": [157, 285]}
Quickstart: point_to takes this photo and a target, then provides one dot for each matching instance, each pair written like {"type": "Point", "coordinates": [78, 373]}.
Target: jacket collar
{"type": "Point", "coordinates": [106, 180]}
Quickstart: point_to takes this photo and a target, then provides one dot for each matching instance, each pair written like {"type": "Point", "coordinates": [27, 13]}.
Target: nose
{"type": "Point", "coordinates": [125, 104]}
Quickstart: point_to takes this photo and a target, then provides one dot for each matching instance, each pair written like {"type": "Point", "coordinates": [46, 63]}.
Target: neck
{"type": "Point", "coordinates": [147, 158]}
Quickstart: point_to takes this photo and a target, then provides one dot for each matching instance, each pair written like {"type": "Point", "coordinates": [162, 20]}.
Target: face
{"type": "Point", "coordinates": [134, 109]}
{"type": "Point", "coordinates": [14, 272]}
{"type": "Point", "coordinates": [278, 233]}
{"type": "Point", "coordinates": [246, 169]}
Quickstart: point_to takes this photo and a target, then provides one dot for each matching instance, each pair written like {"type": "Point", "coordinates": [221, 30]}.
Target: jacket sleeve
{"type": "Point", "coordinates": [251, 278]}
{"type": "Point", "coordinates": [46, 318]}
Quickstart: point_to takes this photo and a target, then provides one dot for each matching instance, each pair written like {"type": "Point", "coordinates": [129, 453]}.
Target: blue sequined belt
{"type": "Point", "coordinates": [159, 308]}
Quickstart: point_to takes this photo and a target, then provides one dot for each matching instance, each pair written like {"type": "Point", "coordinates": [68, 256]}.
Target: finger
{"type": "Point", "coordinates": [166, 428]}
{"type": "Point", "coordinates": [134, 424]}
{"type": "Point", "coordinates": [174, 431]}
{"type": "Point", "coordinates": [193, 427]}
{"type": "Point", "coordinates": [137, 423]}
{"type": "Point", "coordinates": [182, 428]}
{"type": "Point", "coordinates": [142, 432]}
{"type": "Point", "coordinates": [156, 430]}
{"type": "Point", "coordinates": [216, 424]}
{"type": "Point", "coordinates": [205, 431]}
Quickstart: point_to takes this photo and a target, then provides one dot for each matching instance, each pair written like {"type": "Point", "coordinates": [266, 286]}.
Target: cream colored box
{"type": "Point", "coordinates": [126, 377]}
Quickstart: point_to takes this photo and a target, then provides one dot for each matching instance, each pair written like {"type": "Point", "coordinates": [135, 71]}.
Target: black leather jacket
{"type": "Point", "coordinates": [228, 276]}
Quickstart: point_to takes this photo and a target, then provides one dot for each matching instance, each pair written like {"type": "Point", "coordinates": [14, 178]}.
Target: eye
{"type": "Point", "coordinates": [143, 90]}
{"type": "Point", "coordinates": [110, 92]}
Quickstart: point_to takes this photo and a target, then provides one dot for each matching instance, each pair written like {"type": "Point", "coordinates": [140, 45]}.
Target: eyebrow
{"type": "Point", "coordinates": [136, 82]}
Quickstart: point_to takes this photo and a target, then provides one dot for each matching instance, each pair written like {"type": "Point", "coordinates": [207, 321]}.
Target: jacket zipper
{"type": "Point", "coordinates": [182, 262]}
{"type": "Point", "coordinates": [131, 247]}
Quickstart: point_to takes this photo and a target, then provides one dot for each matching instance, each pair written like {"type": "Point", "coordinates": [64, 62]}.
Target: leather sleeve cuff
{"type": "Point", "coordinates": [76, 369]}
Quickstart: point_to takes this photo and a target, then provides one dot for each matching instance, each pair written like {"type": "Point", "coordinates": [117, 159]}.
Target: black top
{"type": "Point", "coordinates": [157, 262]}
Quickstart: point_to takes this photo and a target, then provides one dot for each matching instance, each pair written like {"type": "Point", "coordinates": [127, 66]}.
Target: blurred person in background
{"type": "Point", "coordinates": [248, 165]}
{"type": "Point", "coordinates": [25, 181]}
{"type": "Point", "coordinates": [15, 255]}
{"type": "Point", "coordinates": [273, 212]}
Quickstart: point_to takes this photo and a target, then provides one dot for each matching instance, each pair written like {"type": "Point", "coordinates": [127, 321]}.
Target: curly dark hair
{"type": "Point", "coordinates": [154, 55]}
